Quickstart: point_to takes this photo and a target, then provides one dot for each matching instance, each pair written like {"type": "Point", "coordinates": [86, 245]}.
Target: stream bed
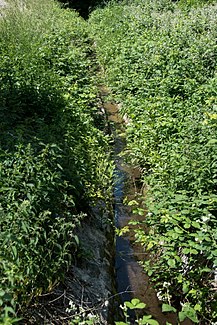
{"type": "Point", "coordinates": [131, 280]}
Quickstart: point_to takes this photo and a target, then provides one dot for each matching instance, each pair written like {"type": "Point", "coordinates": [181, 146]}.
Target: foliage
{"type": "Point", "coordinates": [136, 304]}
{"type": "Point", "coordinates": [54, 158]}
{"type": "Point", "coordinates": [160, 62]}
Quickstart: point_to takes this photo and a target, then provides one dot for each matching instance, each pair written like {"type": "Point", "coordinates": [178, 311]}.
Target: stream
{"type": "Point", "coordinates": [131, 280]}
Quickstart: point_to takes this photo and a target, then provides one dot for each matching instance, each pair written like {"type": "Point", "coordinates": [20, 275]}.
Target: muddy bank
{"type": "Point", "coordinates": [88, 288]}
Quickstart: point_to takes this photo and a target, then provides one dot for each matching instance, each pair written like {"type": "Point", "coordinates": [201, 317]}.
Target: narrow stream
{"type": "Point", "coordinates": [130, 276]}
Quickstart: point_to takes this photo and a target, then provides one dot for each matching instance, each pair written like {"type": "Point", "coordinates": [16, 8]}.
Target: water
{"type": "Point", "coordinates": [130, 277]}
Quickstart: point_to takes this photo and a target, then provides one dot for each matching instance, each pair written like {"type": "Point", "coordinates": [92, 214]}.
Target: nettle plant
{"type": "Point", "coordinates": [38, 219]}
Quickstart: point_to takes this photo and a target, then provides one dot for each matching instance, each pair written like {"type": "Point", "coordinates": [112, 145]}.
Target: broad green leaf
{"type": "Point", "coordinates": [185, 288]}
{"type": "Point", "coordinates": [149, 321]}
{"type": "Point", "coordinates": [141, 305]}
{"type": "Point", "coordinates": [197, 307]}
{"type": "Point", "coordinates": [182, 316]}
{"type": "Point", "coordinates": [135, 304]}
{"type": "Point", "coordinates": [171, 262]}
{"type": "Point", "coordinates": [135, 301]}
{"type": "Point", "coordinates": [196, 224]}
{"type": "Point", "coordinates": [168, 308]}
{"type": "Point", "coordinates": [188, 311]}
{"type": "Point", "coordinates": [194, 251]}
{"type": "Point", "coordinates": [186, 251]}
{"type": "Point", "coordinates": [178, 230]}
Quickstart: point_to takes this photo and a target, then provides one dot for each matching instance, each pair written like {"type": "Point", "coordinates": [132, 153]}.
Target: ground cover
{"type": "Point", "coordinates": [53, 152]}
{"type": "Point", "coordinates": [159, 59]}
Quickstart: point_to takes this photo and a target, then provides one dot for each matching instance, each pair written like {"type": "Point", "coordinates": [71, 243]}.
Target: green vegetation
{"type": "Point", "coordinates": [159, 59]}
{"type": "Point", "coordinates": [136, 304]}
{"type": "Point", "coordinates": [53, 153]}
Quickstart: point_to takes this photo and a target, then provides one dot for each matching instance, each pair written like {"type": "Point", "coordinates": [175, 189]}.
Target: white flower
{"type": "Point", "coordinates": [159, 295]}
{"type": "Point", "coordinates": [204, 218]}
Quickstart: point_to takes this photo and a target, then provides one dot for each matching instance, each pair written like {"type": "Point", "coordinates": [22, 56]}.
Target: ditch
{"type": "Point", "coordinates": [131, 280]}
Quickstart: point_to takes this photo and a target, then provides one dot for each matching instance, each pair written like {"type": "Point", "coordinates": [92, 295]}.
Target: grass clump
{"type": "Point", "coordinates": [53, 157]}
{"type": "Point", "coordinates": [160, 61]}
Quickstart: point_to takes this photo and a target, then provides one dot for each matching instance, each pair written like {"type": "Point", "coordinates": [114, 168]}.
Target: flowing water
{"type": "Point", "coordinates": [131, 279]}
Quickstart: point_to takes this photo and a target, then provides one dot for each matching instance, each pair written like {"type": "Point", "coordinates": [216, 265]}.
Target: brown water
{"type": "Point", "coordinates": [132, 281]}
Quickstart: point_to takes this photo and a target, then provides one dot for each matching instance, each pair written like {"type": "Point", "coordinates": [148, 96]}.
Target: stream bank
{"type": "Point", "coordinates": [88, 288]}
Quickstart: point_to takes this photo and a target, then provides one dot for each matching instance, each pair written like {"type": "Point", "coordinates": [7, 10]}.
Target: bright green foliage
{"type": "Point", "coordinates": [136, 304]}
{"type": "Point", "coordinates": [53, 156]}
{"type": "Point", "coordinates": [160, 61]}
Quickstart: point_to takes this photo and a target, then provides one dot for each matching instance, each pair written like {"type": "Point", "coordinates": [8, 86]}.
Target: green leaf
{"type": "Point", "coordinates": [139, 211]}
{"type": "Point", "coordinates": [152, 322]}
{"type": "Point", "coordinates": [14, 250]}
{"type": "Point", "coordinates": [9, 310]}
{"type": "Point", "coordinates": [196, 224]}
{"type": "Point", "coordinates": [76, 239]}
{"type": "Point", "coordinates": [188, 312]}
{"type": "Point", "coordinates": [182, 316]}
{"type": "Point", "coordinates": [197, 307]}
{"type": "Point", "coordinates": [185, 288]}
{"type": "Point", "coordinates": [133, 202]}
{"type": "Point", "coordinates": [168, 308]}
{"type": "Point", "coordinates": [129, 305]}
{"type": "Point", "coordinates": [194, 251]}
{"type": "Point", "coordinates": [171, 262]}
{"type": "Point", "coordinates": [135, 304]}
{"type": "Point", "coordinates": [178, 230]}
{"type": "Point", "coordinates": [135, 301]}
{"type": "Point", "coordinates": [212, 141]}
{"type": "Point", "coordinates": [147, 320]}
{"type": "Point", "coordinates": [141, 305]}
{"type": "Point", "coordinates": [186, 251]}
{"type": "Point", "coordinates": [24, 226]}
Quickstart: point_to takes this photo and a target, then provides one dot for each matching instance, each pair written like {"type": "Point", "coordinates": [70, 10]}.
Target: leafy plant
{"type": "Point", "coordinates": [135, 304]}
{"type": "Point", "coordinates": [159, 59]}
{"type": "Point", "coordinates": [54, 160]}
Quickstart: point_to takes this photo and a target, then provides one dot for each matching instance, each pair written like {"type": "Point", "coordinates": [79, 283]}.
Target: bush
{"type": "Point", "coordinates": [160, 61]}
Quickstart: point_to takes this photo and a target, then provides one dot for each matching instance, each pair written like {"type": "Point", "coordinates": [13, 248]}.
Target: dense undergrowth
{"type": "Point", "coordinates": [159, 59]}
{"type": "Point", "coordinates": [53, 153]}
